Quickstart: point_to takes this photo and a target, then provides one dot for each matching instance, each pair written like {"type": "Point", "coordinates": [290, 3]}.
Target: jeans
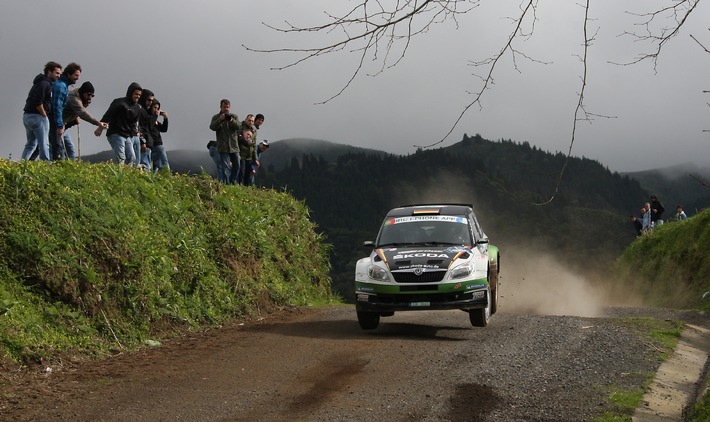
{"type": "Point", "coordinates": [122, 148]}
{"type": "Point", "coordinates": [147, 158]}
{"type": "Point", "coordinates": [230, 167]}
{"type": "Point", "coordinates": [244, 170]}
{"type": "Point", "coordinates": [217, 162]}
{"type": "Point", "coordinates": [160, 158]}
{"type": "Point", "coordinates": [37, 130]}
{"type": "Point", "coordinates": [62, 148]}
{"type": "Point", "coordinates": [136, 144]}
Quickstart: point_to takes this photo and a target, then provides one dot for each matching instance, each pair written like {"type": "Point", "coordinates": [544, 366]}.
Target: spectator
{"type": "Point", "coordinates": [37, 107]}
{"type": "Point", "coordinates": [247, 150]}
{"type": "Point", "coordinates": [62, 147]}
{"type": "Point", "coordinates": [656, 211]}
{"type": "Point", "coordinates": [155, 127]}
{"type": "Point", "coordinates": [212, 148]}
{"type": "Point", "coordinates": [143, 145]}
{"type": "Point", "coordinates": [255, 164]}
{"type": "Point", "coordinates": [638, 225]}
{"type": "Point", "coordinates": [77, 101]}
{"type": "Point", "coordinates": [258, 122]}
{"type": "Point", "coordinates": [679, 213]}
{"type": "Point", "coordinates": [226, 126]}
{"type": "Point", "coordinates": [646, 222]}
{"type": "Point", "coordinates": [122, 118]}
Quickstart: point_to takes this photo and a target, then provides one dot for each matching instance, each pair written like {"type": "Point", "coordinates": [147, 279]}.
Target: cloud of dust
{"type": "Point", "coordinates": [532, 282]}
{"type": "Point", "coordinates": [536, 283]}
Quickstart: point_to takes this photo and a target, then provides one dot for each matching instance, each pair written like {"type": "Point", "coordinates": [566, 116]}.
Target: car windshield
{"type": "Point", "coordinates": [427, 230]}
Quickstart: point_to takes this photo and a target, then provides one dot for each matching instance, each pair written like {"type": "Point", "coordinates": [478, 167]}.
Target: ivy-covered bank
{"type": "Point", "coordinates": [99, 257]}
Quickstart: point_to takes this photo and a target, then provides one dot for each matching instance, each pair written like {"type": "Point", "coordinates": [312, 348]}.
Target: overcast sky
{"type": "Point", "coordinates": [190, 54]}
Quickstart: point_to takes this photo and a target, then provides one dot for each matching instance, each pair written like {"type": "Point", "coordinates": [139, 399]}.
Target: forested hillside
{"type": "Point", "coordinates": [585, 225]}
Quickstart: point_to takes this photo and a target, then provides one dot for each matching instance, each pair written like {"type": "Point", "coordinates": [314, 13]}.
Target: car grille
{"type": "Point", "coordinates": [410, 277]}
{"type": "Point", "coordinates": [431, 298]}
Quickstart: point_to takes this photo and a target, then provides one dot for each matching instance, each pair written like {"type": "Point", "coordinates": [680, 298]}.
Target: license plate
{"type": "Point", "coordinates": [419, 304]}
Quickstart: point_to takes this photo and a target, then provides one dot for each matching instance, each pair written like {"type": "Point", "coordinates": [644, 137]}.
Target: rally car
{"type": "Point", "coordinates": [428, 257]}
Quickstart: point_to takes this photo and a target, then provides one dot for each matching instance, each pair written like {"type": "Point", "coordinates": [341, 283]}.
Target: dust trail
{"type": "Point", "coordinates": [539, 284]}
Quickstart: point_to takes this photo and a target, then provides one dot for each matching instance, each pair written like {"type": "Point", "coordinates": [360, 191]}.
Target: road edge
{"type": "Point", "coordinates": [679, 381]}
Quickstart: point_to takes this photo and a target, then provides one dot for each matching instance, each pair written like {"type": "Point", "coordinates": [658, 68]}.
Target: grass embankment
{"type": "Point", "coordinates": [670, 267]}
{"type": "Point", "coordinates": [95, 258]}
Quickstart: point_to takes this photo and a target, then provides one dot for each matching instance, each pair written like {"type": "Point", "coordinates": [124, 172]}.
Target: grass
{"type": "Point", "coordinates": [96, 258]}
{"type": "Point", "coordinates": [663, 336]}
{"type": "Point", "coordinates": [670, 267]}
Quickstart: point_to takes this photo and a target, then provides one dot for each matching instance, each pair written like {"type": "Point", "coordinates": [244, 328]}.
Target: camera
{"type": "Point", "coordinates": [227, 117]}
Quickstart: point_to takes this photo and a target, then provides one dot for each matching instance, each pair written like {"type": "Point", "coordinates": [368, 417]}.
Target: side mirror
{"type": "Point", "coordinates": [368, 244]}
{"type": "Point", "coordinates": [483, 241]}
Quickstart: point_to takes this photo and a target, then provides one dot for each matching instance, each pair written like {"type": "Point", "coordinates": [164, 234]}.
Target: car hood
{"type": "Point", "coordinates": [421, 257]}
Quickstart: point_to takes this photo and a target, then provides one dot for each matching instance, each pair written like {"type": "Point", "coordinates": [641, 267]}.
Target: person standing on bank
{"type": "Point", "coordinates": [247, 150]}
{"type": "Point", "coordinates": [60, 146]}
{"type": "Point", "coordinates": [226, 127]}
{"type": "Point", "coordinates": [254, 165]}
{"type": "Point", "coordinates": [656, 211]}
{"type": "Point", "coordinates": [155, 127]}
{"type": "Point", "coordinates": [143, 145]}
{"type": "Point", "coordinates": [77, 101]}
{"type": "Point", "coordinates": [122, 118]}
{"type": "Point", "coordinates": [36, 112]}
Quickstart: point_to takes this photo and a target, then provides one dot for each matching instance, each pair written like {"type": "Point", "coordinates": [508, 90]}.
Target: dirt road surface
{"type": "Point", "coordinates": [318, 365]}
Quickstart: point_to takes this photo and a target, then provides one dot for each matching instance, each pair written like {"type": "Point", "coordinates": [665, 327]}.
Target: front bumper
{"type": "Point", "coordinates": [369, 299]}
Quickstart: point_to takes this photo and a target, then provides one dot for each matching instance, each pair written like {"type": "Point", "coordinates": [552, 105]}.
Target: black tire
{"type": "Point", "coordinates": [493, 282]}
{"type": "Point", "coordinates": [368, 320]}
{"type": "Point", "coordinates": [480, 317]}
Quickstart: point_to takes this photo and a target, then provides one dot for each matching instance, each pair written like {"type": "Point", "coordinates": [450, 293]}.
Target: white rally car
{"type": "Point", "coordinates": [428, 257]}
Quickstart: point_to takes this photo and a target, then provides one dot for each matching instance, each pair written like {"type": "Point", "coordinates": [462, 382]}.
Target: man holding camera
{"type": "Point", "coordinates": [226, 127]}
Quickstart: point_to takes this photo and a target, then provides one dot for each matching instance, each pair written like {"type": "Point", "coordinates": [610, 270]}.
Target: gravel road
{"type": "Point", "coordinates": [318, 365]}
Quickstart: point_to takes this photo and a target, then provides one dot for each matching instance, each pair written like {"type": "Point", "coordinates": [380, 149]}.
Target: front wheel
{"type": "Point", "coordinates": [480, 317]}
{"type": "Point", "coordinates": [368, 320]}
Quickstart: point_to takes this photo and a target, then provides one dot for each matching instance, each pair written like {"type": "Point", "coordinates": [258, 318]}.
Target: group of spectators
{"type": "Point", "coordinates": [235, 152]}
{"type": "Point", "coordinates": [651, 216]}
{"type": "Point", "coordinates": [51, 108]}
{"type": "Point", "coordinates": [133, 123]}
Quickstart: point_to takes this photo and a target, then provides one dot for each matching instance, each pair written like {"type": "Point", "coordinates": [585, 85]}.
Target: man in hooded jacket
{"type": "Point", "coordinates": [37, 108]}
{"type": "Point", "coordinates": [122, 118]}
{"type": "Point", "coordinates": [155, 127]}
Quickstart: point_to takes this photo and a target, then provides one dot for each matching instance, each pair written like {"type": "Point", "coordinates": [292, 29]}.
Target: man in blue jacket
{"type": "Point", "coordinates": [36, 111]}
{"type": "Point", "coordinates": [62, 147]}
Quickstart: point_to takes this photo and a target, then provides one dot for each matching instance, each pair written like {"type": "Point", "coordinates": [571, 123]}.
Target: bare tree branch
{"type": "Point", "coordinates": [677, 13]}
{"type": "Point", "coordinates": [700, 180]}
{"type": "Point", "coordinates": [580, 105]}
{"type": "Point", "coordinates": [373, 30]}
{"type": "Point", "coordinates": [492, 61]}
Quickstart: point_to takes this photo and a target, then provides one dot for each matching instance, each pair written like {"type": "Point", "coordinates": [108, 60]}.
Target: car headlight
{"type": "Point", "coordinates": [462, 271]}
{"type": "Point", "coordinates": [377, 273]}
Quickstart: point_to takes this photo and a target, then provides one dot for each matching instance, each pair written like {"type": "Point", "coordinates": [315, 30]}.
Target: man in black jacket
{"type": "Point", "coordinates": [37, 108]}
{"type": "Point", "coordinates": [122, 118]}
{"type": "Point", "coordinates": [656, 211]}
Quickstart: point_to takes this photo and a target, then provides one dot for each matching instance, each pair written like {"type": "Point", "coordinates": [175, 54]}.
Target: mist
{"type": "Point", "coordinates": [537, 283]}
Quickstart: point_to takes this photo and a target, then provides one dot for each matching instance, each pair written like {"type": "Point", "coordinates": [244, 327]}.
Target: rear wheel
{"type": "Point", "coordinates": [368, 320]}
{"type": "Point", "coordinates": [480, 317]}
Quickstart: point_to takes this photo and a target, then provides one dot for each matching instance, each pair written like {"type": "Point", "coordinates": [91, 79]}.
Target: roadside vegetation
{"type": "Point", "coordinates": [670, 266]}
{"type": "Point", "coordinates": [96, 258]}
